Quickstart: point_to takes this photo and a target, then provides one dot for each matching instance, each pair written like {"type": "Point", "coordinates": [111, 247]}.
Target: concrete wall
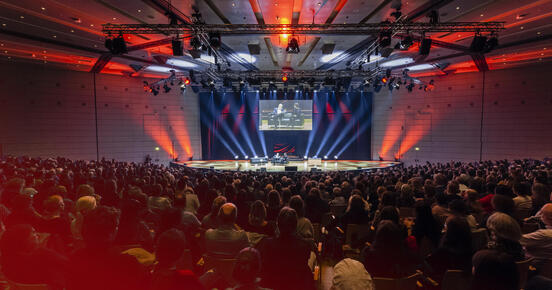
{"type": "Point", "coordinates": [493, 115]}
{"type": "Point", "coordinates": [48, 112]}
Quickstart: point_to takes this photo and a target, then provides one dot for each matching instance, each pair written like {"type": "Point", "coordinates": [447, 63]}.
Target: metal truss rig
{"type": "Point", "coordinates": [340, 29]}
{"type": "Point", "coordinates": [297, 74]}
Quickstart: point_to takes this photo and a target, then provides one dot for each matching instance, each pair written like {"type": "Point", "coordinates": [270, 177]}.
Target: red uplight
{"type": "Point", "coordinates": [187, 81]}
{"type": "Point", "coordinates": [284, 78]}
{"type": "Point", "coordinates": [384, 80]}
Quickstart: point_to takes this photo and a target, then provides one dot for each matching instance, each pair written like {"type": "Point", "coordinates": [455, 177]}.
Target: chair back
{"type": "Point", "coordinates": [406, 212]}
{"type": "Point", "coordinates": [529, 227]}
{"type": "Point", "coordinates": [355, 232]}
{"type": "Point", "coordinates": [20, 286]}
{"type": "Point", "coordinates": [456, 280]}
{"type": "Point", "coordinates": [520, 214]}
{"type": "Point", "coordinates": [223, 266]}
{"type": "Point", "coordinates": [426, 247]}
{"type": "Point", "coordinates": [545, 268]}
{"type": "Point", "coordinates": [523, 268]}
{"type": "Point", "coordinates": [405, 283]}
{"type": "Point", "coordinates": [480, 238]}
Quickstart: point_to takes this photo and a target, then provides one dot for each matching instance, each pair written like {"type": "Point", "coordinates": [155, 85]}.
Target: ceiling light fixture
{"type": "Point", "coordinates": [293, 46]}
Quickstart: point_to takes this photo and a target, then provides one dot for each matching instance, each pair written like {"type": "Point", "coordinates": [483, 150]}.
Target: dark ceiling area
{"type": "Point", "coordinates": [69, 34]}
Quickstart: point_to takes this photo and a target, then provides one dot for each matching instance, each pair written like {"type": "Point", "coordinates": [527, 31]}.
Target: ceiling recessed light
{"type": "Point", "coordinates": [5, 51]}
{"type": "Point", "coordinates": [72, 30]}
{"type": "Point", "coordinates": [521, 27]}
{"type": "Point", "coordinates": [481, 15]}
{"type": "Point", "coordinates": [95, 45]}
{"type": "Point", "coordinates": [1, 44]}
{"type": "Point", "coordinates": [43, 8]}
{"type": "Point", "coordinates": [544, 48]}
{"type": "Point", "coordinates": [457, 7]}
{"type": "Point", "coordinates": [4, 24]}
{"type": "Point", "coordinates": [54, 36]}
{"type": "Point", "coordinates": [233, 4]}
{"type": "Point", "coordinates": [43, 51]}
{"type": "Point", "coordinates": [92, 25]}
{"type": "Point", "coordinates": [21, 16]}
{"type": "Point", "coordinates": [542, 53]}
{"type": "Point", "coordinates": [139, 11]}
{"type": "Point", "coordinates": [538, 33]}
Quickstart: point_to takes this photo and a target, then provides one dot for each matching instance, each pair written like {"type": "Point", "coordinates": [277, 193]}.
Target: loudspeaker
{"type": "Point", "coordinates": [177, 47]}
{"type": "Point", "coordinates": [478, 43]}
{"type": "Point", "coordinates": [263, 169]}
{"type": "Point", "coordinates": [314, 169]}
{"type": "Point", "coordinates": [425, 46]}
{"type": "Point", "coordinates": [290, 168]}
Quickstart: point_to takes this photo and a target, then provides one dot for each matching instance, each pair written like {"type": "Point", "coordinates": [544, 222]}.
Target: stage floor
{"type": "Point", "coordinates": [323, 165]}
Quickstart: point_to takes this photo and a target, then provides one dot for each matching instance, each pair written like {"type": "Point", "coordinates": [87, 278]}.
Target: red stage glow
{"type": "Point", "coordinates": [284, 78]}
{"type": "Point", "coordinates": [187, 81]}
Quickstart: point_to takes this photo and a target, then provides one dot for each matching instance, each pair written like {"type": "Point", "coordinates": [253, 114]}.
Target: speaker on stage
{"type": "Point", "coordinates": [314, 169]}
{"type": "Point", "coordinates": [263, 169]}
{"type": "Point", "coordinates": [290, 168]}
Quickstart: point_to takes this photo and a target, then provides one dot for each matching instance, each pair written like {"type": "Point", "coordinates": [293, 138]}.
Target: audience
{"type": "Point", "coordinates": [94, 224]}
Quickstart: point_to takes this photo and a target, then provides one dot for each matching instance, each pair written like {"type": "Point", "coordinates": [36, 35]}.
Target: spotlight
{"type": "Point", "coordinates": [285, 78]}
{"type": "Point", "coordinates": [256, 156]}
{"type": "Point", "coordinates": [187, 81]}
{"type": "Point", "coordinates": [325, 157]}
{"type": "Point", "coordinates": [305, 157]}
{"type": "Point", "coordinates": [246, 157]}
{"type": "Point", "coordinates": [293, 46]}
{"type": "Point", "coordinates": [335, 157]}
{"type": "Point", "coordinates": [236, 157]}
{"type": "Point", "coordinates": [384, 80]}
{"type": "Point", "coordinates": [166, 88]}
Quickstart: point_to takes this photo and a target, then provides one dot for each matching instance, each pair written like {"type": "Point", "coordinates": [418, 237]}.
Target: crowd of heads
{"type": "Point", "coordinates": [74, 208]}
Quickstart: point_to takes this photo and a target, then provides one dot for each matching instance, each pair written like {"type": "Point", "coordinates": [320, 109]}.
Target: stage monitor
{"type": "Point", "coordinates": [285, 115]}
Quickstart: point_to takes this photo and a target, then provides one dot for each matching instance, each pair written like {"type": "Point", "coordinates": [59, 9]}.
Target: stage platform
{"type": "Point", "coordinates": [301, 166]}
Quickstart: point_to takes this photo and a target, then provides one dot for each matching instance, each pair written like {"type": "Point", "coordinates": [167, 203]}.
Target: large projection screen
{"type": "Point", "coordinates": [285, 115]}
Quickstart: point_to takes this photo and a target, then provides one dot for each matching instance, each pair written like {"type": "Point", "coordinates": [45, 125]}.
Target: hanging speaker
{"type": "Point", "coordinates": [425, 46]}
{"type": "Point", "coordinates": [478, 43]}
{"type": "Point", "coordinates": [177, 47]}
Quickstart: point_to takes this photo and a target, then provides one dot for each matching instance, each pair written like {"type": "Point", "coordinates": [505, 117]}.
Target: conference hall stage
{"type": "Point", "coordinates": [301, 166]}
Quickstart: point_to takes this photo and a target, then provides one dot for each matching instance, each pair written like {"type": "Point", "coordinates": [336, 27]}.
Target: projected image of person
{"type": "Point", "coordinates": [285, 115]}
{"type": "Point", "coordinates": [280, 111]}
{"type": "Point", "coordinates": [297, 113]}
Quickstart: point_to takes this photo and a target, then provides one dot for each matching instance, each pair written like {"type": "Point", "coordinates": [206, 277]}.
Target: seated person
{"type": "Point", "coordinates": [99, 265]}
{"type": "Point", "coordinates": [247, 269]}
{"type": "Point", "coordinates": [225, 241]}
{"type": "Point", "coordinates": [169, 252]}
{"type": "Point", "coordinates": [538, 244]}
{"type": "Point", "coordinates": [23, 261]}
{"type": "Point", "coordinates": [286, 256]}
{"type": "Point", "coordinates": [388, 256]}
{"type": "Point", "coordinates": [257, 220]}
{"type": "Point", "coordinates": [494, 270]}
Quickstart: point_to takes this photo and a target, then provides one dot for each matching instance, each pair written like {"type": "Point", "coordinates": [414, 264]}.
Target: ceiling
{"type": "Point", "coordinates": [67, 33]}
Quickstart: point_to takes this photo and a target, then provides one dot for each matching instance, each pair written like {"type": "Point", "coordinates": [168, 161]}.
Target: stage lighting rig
{"type": "Point", "coordinates": [166, 87]}
{"type": "Point", "coordinates": [293, 46]}
{"type": "Point", "coordinates": [433, 17]}
{"type": "Point", "coordinates": [116, 45]}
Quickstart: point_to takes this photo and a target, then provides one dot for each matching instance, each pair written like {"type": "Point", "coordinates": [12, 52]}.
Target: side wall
{"type": "Point", "coordinates": [502, 114]}
{"type": "Point", "coordinates": [47, 112]}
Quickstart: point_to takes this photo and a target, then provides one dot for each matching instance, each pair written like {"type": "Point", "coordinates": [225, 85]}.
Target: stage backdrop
{"type": "Point", "coordinates": [341, 126]}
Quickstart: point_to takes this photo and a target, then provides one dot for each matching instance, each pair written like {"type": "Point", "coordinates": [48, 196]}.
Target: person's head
{"type": "Point", "coordinates": [170, 247]}
{"type": "Point", "coordinates": [388, 237]}
{"type": "Point", "coordinates": [390, 213]}
{"type": "Point", "coordinates": [503, 203]}
{"type": "Point", "coordinates": [503, 189]}
{"type": "Point", "coordinates": [287, 221]}
{"type": "Point", "coordinates": [472, 195]}
{"type": "Point", "coordinates": [453, 187]}
{"type": "Point", "coordinates": [18, 239]}
{"type": "Point", "coordinates": [85, 204]}
{"type": "Point", "coordinates": [337, 191]}
{"type": "Point", "coordinates": [457, 237]}
{"type": "Point", "coordinates": [547, 214]}
{"type": "Point", "coordinates": [85, 189]}
{"type": "Point", "coordinates": [296, 203]}
{"type": "Point", "coordinates": [257, 213]}
{"type": "Point", "coordinates": [53, 205]}
{"type": "Point", "coordinates": [350, 274]}
{"type": "Point", "coordinates": [503, 226]}
{"type": "Point", "coordinates": [180, 200]}
{"type": "Point", "coordinates": [356, 203]}
{"type": "Point", "coordinates": [458, 207]}
{"type": "Point", "coordinates": [217, 203]}
{"type": "Point", "coordinates": [100, 226]}
{"type": "Point", "coordinates": [273, 199]}
{"type": "Point", "coordinates": [539, 192]}
{"type": "Point", "coordinates": [494, 270]}
{"type": "Point", "coordinates": [441, 199]}
{"type": "Point", "coordinates": [227, 214]}
{"type": "Point", "coordinates": [522, 189]}
{"type": "Point", "coordinates": [247, 266]}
